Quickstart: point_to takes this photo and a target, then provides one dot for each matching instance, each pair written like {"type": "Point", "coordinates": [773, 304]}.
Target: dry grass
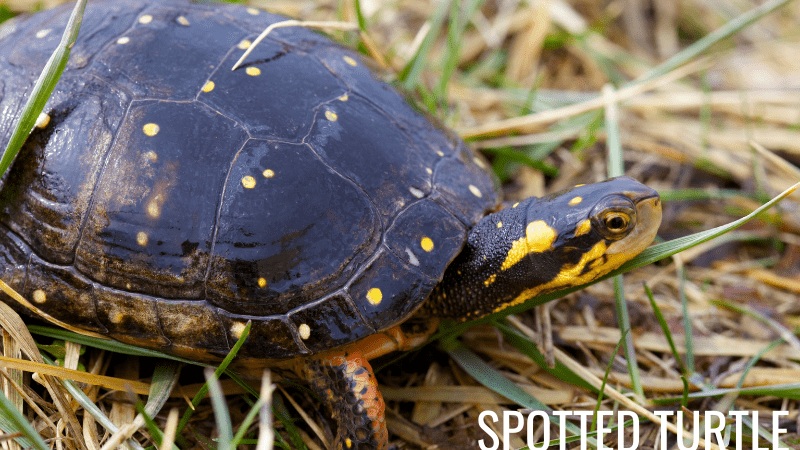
{"type": "Point", "coordinates": [715, 137]}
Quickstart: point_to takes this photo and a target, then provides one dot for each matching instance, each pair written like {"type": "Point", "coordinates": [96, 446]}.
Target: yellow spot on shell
{"type": "Point", "coordinates": [305, 331]}
{"type": "Point", "coordinates": [244, 44]}
{"type": "Point", "coordinates": [123, 40]}
{"type": "Point", "coordinates": [145, 19]}
{"type": "Point", "coordinates": [427, 244]}
{"type": "Point", "coordinates": [583, 228]}
{"type": "Point", "coordinates": [350, 61]}
{"type": "Point", "coordinates": [344, 98]}
{"type": "Point", "coordinates": [43, 120]}
{"type": "Point", "coordinates": [39, 296]}
{"type": "Point", "coordinates": [237, 329]}
{"type": "Point", "coordinates": [475, 191]}
{"type": "Point", "coordinates": [416, 192]}
{"type": "Point", "coordinates": [253, 71]}
{"type": "Point", "coordinates": [269, 173]}
{"type": "Point", "coordinates": [499, 224]}
{"type": "Point", "coordinates": [209, 86]}
{"type": "Point", "coordinates": [253, 11]}
{"type": "Point", "coordinates": [248, 182]}
{"type": "Point", "coordinates": [330, 115]}
{"type": "Point", "coordinates": [151, 129]}
{"type": "Point", "coordinates": [154, 207]}
{"type": "Point", "coordinates": [490, 280]}
{"type": "Point", "coordinates": [182, 21]}
{"type": "Point", "coordinates": [262, 282]}
{"type": "Point", "coordinates": [141, 238]}
{"type": "Point", "coordinates": [42, 33]}
{"type": "Point", "coordinates": [374, 296]}
{"type": "Point", "coordinates": [348, 443]}
{"type": "Point", "coordinates": [575, 201]}
{"type": "Point", "coordinates": [538, 237]}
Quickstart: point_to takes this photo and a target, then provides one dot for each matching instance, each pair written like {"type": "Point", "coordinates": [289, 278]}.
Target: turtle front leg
{"type": "Point", "coordinates": [346, 382]}
{"type": "Point", "coordinates": [344, 379]}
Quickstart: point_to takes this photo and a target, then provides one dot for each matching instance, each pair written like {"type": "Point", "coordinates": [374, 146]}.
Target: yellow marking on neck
{"type": "Point", "coordinates": [583, 228]}
{"type": "Point", "coordinates": [569, 276]}
{"type": "Point", "coordinates": [427, 244]}
{"type": "Point", "coordinates": [575, 201]}
{"type": "Point", "coordinates": [374, 296]}
{"type": "Point", "coordinates": [538, 237]}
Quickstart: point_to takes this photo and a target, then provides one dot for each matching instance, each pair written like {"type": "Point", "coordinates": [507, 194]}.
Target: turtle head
{"type": "Point", "coordinates": [542, 245]}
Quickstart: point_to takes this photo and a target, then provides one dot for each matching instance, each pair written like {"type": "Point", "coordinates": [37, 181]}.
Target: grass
{"type": "Point", "coordinates": [712, 328]}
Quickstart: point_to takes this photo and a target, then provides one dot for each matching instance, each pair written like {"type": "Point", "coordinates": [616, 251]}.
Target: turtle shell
{"type": "Point", "coordinates": [165, 200]}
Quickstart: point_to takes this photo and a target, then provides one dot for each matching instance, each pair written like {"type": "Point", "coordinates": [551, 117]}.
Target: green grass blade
{"type": "Point", "coordinates": [43, 88]}
{"type": "Point", "coordinates": [12, 421]}
{"type": "Point", "coordinates": [729, 29]}
{"type": "Point", "coordinates": [201, 393]}
{"type": "Point", "coordinates": [222, 416]}
{"type": "Point", "coordinates": [494, 380]}
{"type": "Point", "coordinates": [662, 322]}
{"type": "Point", "coordinates": [529, 348]}
{"type": "Point", "coordinates": [411, 73]}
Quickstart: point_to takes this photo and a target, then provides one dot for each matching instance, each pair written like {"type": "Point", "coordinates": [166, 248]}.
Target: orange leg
{"type": "Point", "coordinates": [344, 379]}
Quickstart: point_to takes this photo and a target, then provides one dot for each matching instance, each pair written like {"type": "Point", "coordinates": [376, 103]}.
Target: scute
{"type": "Point", "coordinates": [171, 200]}
{"type": "Point", "coordinates": [303, 231]}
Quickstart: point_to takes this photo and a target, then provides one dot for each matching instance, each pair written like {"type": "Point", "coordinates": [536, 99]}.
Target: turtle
{"type": "Point", "coordinates": [166, 201]}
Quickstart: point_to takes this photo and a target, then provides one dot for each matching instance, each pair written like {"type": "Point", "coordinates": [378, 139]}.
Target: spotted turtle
{"type": "Point", "coordinates": [165, 200]}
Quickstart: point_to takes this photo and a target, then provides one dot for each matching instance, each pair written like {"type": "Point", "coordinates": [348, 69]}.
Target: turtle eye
{"type": "Point", "coordinates": [616, 223]}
